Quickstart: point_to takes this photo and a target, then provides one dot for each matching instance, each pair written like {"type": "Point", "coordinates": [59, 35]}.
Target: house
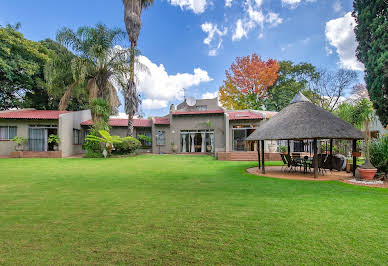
{"type": "Point", "coordinates": [193, 126]}
{"type": "Point", "coordinates": [36, 126]}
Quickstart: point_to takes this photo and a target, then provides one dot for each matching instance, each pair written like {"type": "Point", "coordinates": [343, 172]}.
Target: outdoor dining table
{"type": "Point", "coordinates": [305, 161]}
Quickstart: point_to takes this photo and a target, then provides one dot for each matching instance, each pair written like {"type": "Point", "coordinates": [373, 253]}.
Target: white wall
{"type": "Point", "coordinates": [68, 122]}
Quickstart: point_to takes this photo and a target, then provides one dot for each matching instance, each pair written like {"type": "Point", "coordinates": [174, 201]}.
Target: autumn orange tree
{"type": "Point", "coordinates": [247, 82]}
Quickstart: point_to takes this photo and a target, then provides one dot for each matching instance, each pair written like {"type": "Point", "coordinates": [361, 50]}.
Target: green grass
{"type": "Point", "coordinates": [182, 210]}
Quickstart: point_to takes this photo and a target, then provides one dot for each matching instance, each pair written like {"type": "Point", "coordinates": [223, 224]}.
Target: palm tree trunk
{"type": "Point", "coordinates": [130, 126]}
{"type": "Point", "coordinates": [131, 99]}
{"type": "Point", "coordinates": [65, 98]}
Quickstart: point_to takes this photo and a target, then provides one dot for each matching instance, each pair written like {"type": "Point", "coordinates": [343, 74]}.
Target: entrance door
{"type": "Point", "coordinates": [239, 136]}
{"type": "Point", "coordinates": [37, 139]}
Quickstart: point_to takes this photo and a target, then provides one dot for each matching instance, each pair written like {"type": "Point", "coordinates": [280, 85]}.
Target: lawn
{"type": "Point", "coordinates": [182, 210]}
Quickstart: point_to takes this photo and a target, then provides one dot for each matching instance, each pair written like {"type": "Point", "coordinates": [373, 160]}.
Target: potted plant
{"type": "Point", "coordinates": [174, 147]}
{"type": "Point", "coordinates": [20, 141]}
{"type": "Point", "coordinates": [283, 149]}
{"type": "Point", "coordinates": [367, 170]}
{"type": "Point", "coordinates": [54, 139]}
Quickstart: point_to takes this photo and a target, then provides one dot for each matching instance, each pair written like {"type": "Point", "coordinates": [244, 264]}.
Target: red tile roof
{"type": "Point", "coordinates": [161, 121]}
{"type": "Point", "coordinates": [244, 115]}
{"type": "Point", "coordinates": [32, 114]}
{"type": "Point", "coordinates": [198, 112]}
{"type": "Point", "coordinates": [123, 122]}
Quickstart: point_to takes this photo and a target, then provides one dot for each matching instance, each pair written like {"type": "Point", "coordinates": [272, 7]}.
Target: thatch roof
{"type": "Point", "coordinates": [304, 120]}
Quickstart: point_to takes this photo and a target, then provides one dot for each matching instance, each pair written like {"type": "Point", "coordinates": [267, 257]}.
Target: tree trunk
{"type": "Point", "coordinates": [131, 99]}
{"type": "Point", "coordinates": [65, 98]}
{"type": "Point", "coordinates": [130, 126]}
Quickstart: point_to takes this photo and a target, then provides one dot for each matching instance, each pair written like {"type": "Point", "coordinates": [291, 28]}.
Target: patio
{"type": "Point", "coordinates": [277, 172]}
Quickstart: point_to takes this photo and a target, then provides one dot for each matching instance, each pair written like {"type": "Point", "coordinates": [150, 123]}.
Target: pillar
{"type": "Point", "coordinates": [262, 157]}
{"type": "Point", "coordinates": [315, 160]}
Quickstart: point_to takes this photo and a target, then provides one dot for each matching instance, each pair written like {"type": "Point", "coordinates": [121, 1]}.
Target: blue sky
{"type": "Point", "coordinates": [189, 43]}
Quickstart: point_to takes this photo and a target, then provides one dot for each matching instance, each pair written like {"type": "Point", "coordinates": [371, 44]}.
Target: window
{"type": "Point", "coordinates": [201, 107]}
{"type": "Point", "coordinates": [8, 132]}
{"type": "Point", "coordinates": [145, 144]}
{"type": "Point", "coordinates": [76, 136]}
{"type": "Point", "coordinates": [160, 137]}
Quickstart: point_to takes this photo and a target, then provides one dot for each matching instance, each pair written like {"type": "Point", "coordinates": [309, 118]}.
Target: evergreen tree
{"type": "Point", "coordinates": [372, 36]}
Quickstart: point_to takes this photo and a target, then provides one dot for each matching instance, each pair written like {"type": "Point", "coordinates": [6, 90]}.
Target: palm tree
{"type": "Point", "coordinates": [97, 62]}
{"type": "Point", "coordinates": [132, 18]}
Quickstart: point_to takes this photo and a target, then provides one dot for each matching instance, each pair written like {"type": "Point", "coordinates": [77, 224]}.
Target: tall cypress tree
{"type": "Point", "coordinates": [372, 36]}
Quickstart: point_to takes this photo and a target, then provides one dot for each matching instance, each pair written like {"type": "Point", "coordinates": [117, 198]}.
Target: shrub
{"type": "Point", "coordinates": [92, 147]}
{"type": "Point", "coordinates": [127, 146]}
{"type": "Point", "coordinates": [379, 154]}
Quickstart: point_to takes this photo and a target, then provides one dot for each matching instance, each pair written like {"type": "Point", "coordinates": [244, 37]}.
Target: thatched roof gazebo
{"type": "Point", "coordinates": [302, 119]}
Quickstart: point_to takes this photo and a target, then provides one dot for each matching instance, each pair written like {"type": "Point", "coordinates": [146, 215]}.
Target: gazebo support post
{"type": "Point", "coordinates": [354, 157]}
{"type": "Point", "coordinates": [262, 157]}
{"type": "Point", "coordinates": [288, 150]}
{"type": "Point", "coordinates": [331, 147]}
{"type": "Point", "coordinates": [315, 160]}
{"type": "Point", "coordinates": [258, 154]}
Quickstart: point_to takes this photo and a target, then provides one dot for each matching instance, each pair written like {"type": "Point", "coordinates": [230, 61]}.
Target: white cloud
{"type": "Point", "coordinates": [213, 33]}
{"type": "Point", "coordinates": [339, 33]}
{"type": "Point", "coordinates": [254, 17]}
{"type": "Point", "coordinates": [291, 3]}
{"type": "Point", "coordinates": [197, 6]}
{"type": "Point", "coordinates": [210, 95]}
{"type": "Point", "coordinates": [150, 104]}
{"type": "Point", "coordinates": [294, 3]}
{"type": "Point", "coordinates": [273, 19]}
{"type": "Point", "coordinates": [239, 32]}
{"type": "Point", "coordinates": [228, 3]}
{"type": "Point", "coordinates": [258, 2]}
{"type": "Point", "coordinates": [261, 36]}
{"type": "Point", "coordinates": [158, 87]}
{"type": "Point", "coordinates": [337, 7]}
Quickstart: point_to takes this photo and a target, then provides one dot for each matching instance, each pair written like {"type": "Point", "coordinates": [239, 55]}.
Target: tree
{"type": "Point", "coordinates": [132, 19]}
{"type": "Point", "coordinates": [57, 82]}
{"type": "Point", "coordinates": [251, 77]}
{"type": "Point", "coordinates": [21, 71]}
{"type": "Point", "coordinates": [292, 78]}
{"type": "Point", "coordinates": [331, 86]}
{"type": "Point", "coordinates": [96, 63]}
{"type": "Point", "coordinates": [231, 97]}
{"type": "Point", "coordinates": [359, 114]}
{"type": "Point", "coordinates": [372, 35]}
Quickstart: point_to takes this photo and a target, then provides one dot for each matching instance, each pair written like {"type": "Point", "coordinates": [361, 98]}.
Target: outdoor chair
{"type": "Point", "coordinates": [307, 164]}
{"type": "Point", "coordinates": [322, 162]}
{"type": "Point", "coordinates": [293, 163]}
{"type": "Point", "coordinates": [285, 162]}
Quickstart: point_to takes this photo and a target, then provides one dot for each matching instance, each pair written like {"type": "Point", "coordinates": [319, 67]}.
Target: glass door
{"type": "Point", "coordinates": [239, 136]}
{"type": "Point", "coordinates": [37, 139]}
